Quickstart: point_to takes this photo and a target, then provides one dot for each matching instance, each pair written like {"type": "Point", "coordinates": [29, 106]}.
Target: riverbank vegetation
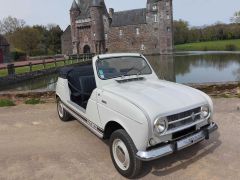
{"type": "Point", "coordinates": [220, 45]}
{"type": "Point", "coordinates": [34, 101]}
{"type": "Point", "coordinates": [216, 37]}
{"type": "Point", "coordinates": [184, 33]}
{"type": "Point", "coordinates": [6, 103]}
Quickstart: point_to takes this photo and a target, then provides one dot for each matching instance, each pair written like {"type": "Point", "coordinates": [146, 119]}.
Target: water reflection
{"type": "Point", "coordinates": [206, 68]}
{"type": "Point", "coordinates": [182, 68]}
{"type": "Point", "coordinates": [45, 83]}
{"type": "Point", "coordinates": [163, 66]}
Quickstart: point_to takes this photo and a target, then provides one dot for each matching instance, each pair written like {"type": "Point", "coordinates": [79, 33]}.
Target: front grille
{"type": "Point", "coordinates": [184, 118]}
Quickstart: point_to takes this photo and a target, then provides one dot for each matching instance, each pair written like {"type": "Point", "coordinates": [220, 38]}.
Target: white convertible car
{"type": "Point", "coordinates": [119, 97]}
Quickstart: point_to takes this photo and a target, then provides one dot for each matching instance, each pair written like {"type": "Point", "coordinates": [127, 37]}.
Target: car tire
{"type": "Point", "coordinates": [123, 154]}
{"type": "Point", "coordinates": [62, 113]}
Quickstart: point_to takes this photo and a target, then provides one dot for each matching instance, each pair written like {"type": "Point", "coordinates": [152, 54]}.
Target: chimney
{"type": "Point", "coordinates": [111, 12]}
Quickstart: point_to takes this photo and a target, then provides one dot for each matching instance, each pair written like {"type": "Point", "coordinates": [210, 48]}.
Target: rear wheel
{"type": "Point", "coordinates": [62, 113]}
{"type": "Point", "coordinates": [123, 153]}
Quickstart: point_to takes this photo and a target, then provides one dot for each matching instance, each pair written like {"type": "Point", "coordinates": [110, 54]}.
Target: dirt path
{"type": "Point", "coordinates": [34, 144]}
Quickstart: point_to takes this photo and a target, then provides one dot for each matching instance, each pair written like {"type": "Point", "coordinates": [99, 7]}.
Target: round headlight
{"type": "Point", "coordinates": [160, 125]}
{"type": "Point", "coordinates": [205, 111]}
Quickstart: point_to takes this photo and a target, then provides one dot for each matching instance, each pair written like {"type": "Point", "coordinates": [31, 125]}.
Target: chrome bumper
{"type": "Point", "coordinates": [177, 145]}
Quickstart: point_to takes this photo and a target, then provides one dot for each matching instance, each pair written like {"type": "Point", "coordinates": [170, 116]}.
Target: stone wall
{"type": "Point", "coordinates": [146, 42]}
{"type": "Point", "coordinates": [67, 42]}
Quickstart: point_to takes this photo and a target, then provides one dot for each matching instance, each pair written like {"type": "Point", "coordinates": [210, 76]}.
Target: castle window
{"type": "Point", "coordinates": [154, 8]}
{"type": "Point", "coordinates": [121, 32]}
{"type": "Point", "coordinates": [155, 18]}
{"type": "Point", "coordinates": [142, 47]}
{"type": "Point", "coordinates": [94, 34]}
{"type": "Point", "coordinates": [106, 36]}
{"type": "Point", "coordinates": [137, 31]}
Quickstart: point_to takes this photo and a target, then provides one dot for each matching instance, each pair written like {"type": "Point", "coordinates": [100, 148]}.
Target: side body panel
{"type": "Point", "coordinates": [130, 117]}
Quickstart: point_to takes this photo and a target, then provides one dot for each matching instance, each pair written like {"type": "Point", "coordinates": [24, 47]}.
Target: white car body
{"type": "Point", "coordinates": [135, 106]}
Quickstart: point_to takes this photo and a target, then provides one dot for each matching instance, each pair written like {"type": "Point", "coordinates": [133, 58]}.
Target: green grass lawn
{"type": "Point", "coordinates": [225, 45]}
{"type": "Point", "coordinates": [26, 69]}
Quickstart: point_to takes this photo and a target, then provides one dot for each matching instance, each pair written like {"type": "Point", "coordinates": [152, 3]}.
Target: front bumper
{"type": "Point", "coordinates": [177, 145]}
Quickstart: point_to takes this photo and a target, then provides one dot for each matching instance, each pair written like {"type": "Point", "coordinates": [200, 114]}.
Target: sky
{"type": "Point", "coordinates": [196, 12]}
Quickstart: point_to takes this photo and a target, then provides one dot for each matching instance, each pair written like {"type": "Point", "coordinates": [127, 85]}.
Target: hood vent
{"type": "Point", "coordinates": [130, 80]}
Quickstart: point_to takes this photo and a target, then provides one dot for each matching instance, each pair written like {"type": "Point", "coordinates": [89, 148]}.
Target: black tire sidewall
{"type": "Point", "coordinates": [135, 164]}
{"type": "Point", "coordinates": [66, 116]}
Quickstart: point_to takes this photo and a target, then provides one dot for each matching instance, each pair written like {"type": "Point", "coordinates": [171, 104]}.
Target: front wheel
{"type": "Point", "coordinates": [62, 113]}
{"type": "Point", "coordinates": [123, 154]}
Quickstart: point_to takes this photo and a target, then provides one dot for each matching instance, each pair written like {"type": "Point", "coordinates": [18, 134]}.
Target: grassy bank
{"type": "Point", "coordinates": [22, 70]}
{"type": "Point", "coordinates": [225, 45]}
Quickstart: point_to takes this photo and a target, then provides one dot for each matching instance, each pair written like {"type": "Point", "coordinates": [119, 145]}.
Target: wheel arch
{"type": "Point", "coordinates": [111, 127]}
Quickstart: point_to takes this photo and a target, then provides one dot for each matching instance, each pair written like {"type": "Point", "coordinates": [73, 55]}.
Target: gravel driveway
{"type": "Point", "coordinates": [35, 144]}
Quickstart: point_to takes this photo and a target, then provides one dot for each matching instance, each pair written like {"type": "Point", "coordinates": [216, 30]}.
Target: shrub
{"type": "Point", "coordinates": [18, 55]}
{"type": "Point", "coordinates": [205, 48]}
{"type": "Point", "coordinates": [33, 101]}
{"type": "Point", "coordinates": [231, 47]}
{"type": "Point", "coordinates": [6, 103]}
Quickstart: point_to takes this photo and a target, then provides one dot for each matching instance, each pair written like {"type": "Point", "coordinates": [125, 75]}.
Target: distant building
{"type": "Point", "coordinates": [94, 29]}
{"type": "Point", "coordinates": [4, 50]}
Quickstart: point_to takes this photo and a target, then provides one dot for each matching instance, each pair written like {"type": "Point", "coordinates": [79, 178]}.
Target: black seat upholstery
{"type": "Point", "coordinates": [88, 84]}
{"type": "Point", "coordinates": [81, 83]}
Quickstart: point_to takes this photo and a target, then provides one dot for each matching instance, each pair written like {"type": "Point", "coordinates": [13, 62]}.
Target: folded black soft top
{"type": "Point", "coordinates": [84, 70]}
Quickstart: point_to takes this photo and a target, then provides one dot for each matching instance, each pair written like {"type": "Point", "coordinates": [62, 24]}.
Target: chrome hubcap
{"type": "Point", "coordinates": [60, 109]}
{"type": "Point", "coordinates": [120, 154]}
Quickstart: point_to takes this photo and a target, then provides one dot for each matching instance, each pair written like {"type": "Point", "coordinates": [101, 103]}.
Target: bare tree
{"type": "Point", "coordinates": [10, 24]}
{"type": "Point", "coordinates": [236, 17]}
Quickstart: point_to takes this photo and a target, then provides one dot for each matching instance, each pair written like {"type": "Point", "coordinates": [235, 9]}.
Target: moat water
{"type": "Point", "coordinates": [184, 67]}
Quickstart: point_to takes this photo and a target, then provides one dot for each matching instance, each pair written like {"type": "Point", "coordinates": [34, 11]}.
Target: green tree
{"type": "Point", "coordinates": [10, 24]}
{"type": "Point", "coordinates": [54, 38]}
{"type": "Point", "coordinates": [181, 30]}
{"type": "Point", "coordinates": [26, 39]}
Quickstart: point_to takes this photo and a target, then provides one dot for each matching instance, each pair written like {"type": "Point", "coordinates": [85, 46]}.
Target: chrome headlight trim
{"type": "Point", "coordinates": [205, 112]}
{"type": "Point", "coordinates": [160, 125]}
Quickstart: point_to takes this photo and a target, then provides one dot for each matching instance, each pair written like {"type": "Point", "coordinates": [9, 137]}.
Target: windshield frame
{"type": "Point", "coordinates": [100, 59]}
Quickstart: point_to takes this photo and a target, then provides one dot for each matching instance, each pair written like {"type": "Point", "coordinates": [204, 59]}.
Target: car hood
{"type": "Point", "coordinates": [158, 97]}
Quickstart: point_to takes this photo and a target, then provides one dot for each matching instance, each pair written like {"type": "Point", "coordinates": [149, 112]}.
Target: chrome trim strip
{"type": "Point", "coordinates": [184, 127]}
{"type": "Point", "coordinates": [179, 120]}
{"type": "Point", "coordinates": [177, 145]}
{"type": "Point", "coordinates": [85, 122]}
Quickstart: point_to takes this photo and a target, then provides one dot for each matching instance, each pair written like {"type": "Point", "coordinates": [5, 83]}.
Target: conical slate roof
{"type": "Point", "coordinates": [85, 5]}
{"type": "Point", "coordinates": [152, 1]}
{"type": "Point", "coordinates": [74, 6]}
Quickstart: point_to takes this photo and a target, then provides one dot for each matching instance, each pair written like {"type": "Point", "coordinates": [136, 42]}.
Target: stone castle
{"type": "Point", "coordinates": [94, 29]}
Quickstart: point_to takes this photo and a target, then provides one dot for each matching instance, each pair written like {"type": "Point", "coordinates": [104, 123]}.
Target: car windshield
{"type": "Point", "coordinates": [114, 67]}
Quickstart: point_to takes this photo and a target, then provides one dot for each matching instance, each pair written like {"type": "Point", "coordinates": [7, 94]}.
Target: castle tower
{"type": "Point", "coordinates": [96, 12]}
{"type": "Point", "coordinates": [160, 16]}
{"type": "Point", "coordinates": [74, 13]}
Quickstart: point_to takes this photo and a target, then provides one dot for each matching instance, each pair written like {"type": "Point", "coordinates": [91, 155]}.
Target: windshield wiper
{"type": "Point", "coordinates": [139, 71]}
